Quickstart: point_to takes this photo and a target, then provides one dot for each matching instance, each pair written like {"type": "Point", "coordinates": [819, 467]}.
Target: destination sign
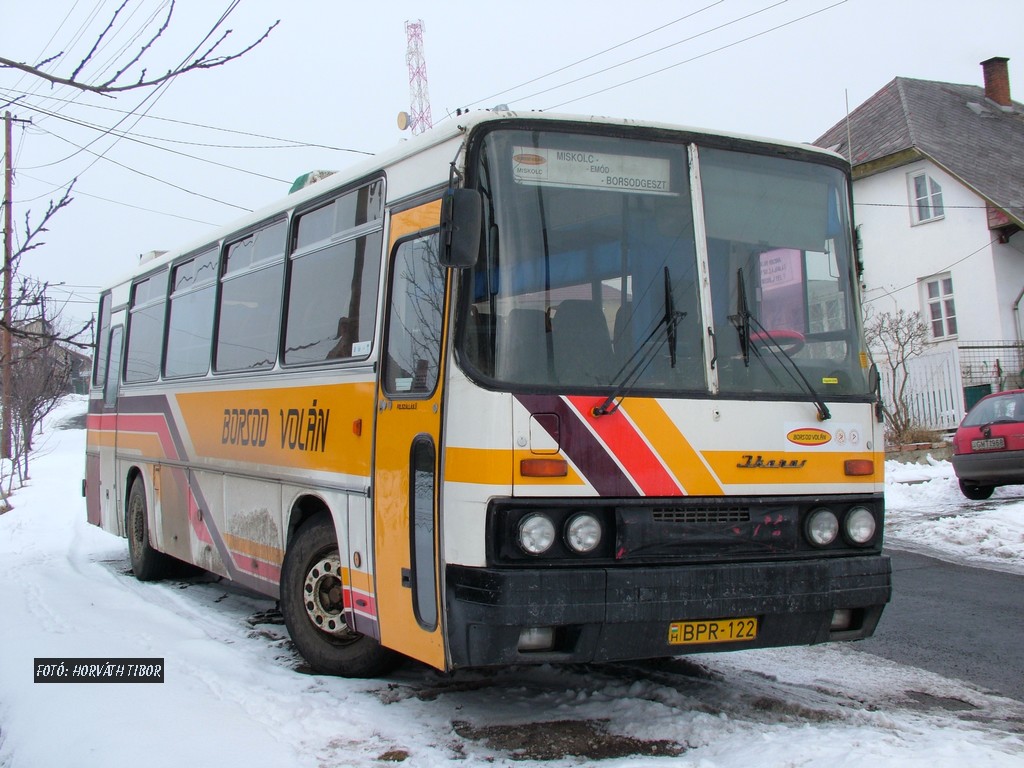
{"type": "Point", "coordinates": [591, 170]}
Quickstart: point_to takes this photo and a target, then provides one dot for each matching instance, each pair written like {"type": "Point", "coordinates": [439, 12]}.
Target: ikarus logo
{"type": "Point", "coordinates": [808, 436]}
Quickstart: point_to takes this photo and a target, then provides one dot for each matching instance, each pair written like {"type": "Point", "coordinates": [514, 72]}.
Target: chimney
{"type": "Point", "coordinates": [997, 80]}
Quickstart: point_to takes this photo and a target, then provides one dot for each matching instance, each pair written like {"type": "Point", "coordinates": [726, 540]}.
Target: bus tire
{"type": "Point", "coordinates": [147, 563]}
{"type": "Point", "coordinates": [313, 610]}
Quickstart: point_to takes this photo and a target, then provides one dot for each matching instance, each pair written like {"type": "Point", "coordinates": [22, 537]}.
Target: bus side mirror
{"type": "Point", "coordinates": [461, 222]}
{"type": "Point", "coordinates": [875, 387]}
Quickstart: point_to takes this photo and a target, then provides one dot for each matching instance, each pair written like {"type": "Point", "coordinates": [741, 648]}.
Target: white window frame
{"type": "Point", "coordinates": [939, 306]}
{"type": "Point", "coordinates": [928, 206]}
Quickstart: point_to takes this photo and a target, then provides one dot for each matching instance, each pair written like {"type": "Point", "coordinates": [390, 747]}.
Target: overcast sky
{"type": "Point", "coordinates": [332, 77]}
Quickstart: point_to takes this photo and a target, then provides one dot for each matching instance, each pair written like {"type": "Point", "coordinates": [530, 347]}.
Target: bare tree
{"type": "Point", "coordinates": [35, 336]}
{"type": "Point", "coordinates": [897, 338]}
{"type": "Point", "coordinates": [28, 309]}
{"type": "Point", "coordinates": [35, 330]}
{"type": "Point", "coordinates": [130, 74]}
{"type": "Point", "coordinates": [42, 377]}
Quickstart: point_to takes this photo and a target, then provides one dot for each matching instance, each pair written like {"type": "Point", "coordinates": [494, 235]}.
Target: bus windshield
{"type": "Point", "coordinates": [591, 277]}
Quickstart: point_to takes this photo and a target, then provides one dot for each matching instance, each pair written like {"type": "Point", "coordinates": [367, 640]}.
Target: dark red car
{"type": "Point", "coordinates": [988, 448]}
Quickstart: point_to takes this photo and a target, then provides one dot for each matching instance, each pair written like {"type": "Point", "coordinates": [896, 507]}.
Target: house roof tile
{"type": "Point", "coordinates": [953, 125]}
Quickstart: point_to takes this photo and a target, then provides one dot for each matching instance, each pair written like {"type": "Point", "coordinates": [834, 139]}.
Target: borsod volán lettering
{"type": "Point", "coordinates": [305, 429]}
{"type": "Point", "coordinates": [245, 426]}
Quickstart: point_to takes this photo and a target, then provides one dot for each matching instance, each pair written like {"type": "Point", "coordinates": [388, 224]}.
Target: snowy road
{"type": "Point", "coordinates": [957, 621]}
{"type": "Point", "coordinates": [235, 694]}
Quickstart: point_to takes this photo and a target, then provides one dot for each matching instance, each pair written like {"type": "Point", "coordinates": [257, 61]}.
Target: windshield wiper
{"type": "Point", "coordinates": [794, 368]}
{"type": "Point", "coordinates": [670, 318]}
{"type": "Point", "coordinates": [743, 320]}
{"type": "Point", "coordinates": [646, 354]}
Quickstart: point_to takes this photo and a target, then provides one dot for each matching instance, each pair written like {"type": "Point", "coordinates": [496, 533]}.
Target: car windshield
{"type": "Point", "coordinates": [993, 410]}
{"type": "Point", "coordinates": [605, 270]}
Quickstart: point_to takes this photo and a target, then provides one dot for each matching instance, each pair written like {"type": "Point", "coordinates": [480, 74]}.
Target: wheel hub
{"type": "Point", "coordinates": [323, 595]}
{"type": "Point", "coordinates": [137, 522]}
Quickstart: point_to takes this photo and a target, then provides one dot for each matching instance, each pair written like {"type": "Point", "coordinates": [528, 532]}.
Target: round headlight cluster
{"type": "Point", "coordinates": [536, 534]}
{"type": "Point", "coordinates": [859, 525]}
{"type": "Point", "coordinates": [582, 533]}
{"type": "Point", "coordinates": [822, 526]}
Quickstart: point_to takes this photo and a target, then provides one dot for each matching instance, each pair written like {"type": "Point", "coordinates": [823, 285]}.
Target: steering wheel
{"type": "Point", "coordinates": [790, 341]}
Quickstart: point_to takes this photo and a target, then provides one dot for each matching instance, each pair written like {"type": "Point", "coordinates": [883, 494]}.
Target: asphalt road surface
{"type": "Point", "coordinates": [960, 622]}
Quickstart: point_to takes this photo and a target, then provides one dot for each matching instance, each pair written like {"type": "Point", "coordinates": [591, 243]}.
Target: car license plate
{"type": "Point", "coordinates": [989, 444]}
{"type": "Point", "coordinates": [712, 631]}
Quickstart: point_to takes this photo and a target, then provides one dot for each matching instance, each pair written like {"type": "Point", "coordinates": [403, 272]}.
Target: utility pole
{"type": "Point", "coordinates": [5, 346]}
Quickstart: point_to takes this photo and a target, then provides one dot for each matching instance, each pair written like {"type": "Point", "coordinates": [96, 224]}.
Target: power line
{"type": "Point", "coordinates": [651, 53]}
{"type": "Point", "coordinates": [293, 142]}
{"type": "Point", "coordinates": [695, 58]}
{"type": "Point", "coordinates": [99, 157]}
{"type": "Point", "coordinates": [109, 200]}
{"type": "Point", "coordinates": [938, 271]}
{"type": "Point", "coordinates": [152, 97]}
{"type": "Point", "coordinates": [122, 135]}
{"type": "Point", "coordinates": [595, 55]}
{"type": "Point", "coordinates": [944, 206]}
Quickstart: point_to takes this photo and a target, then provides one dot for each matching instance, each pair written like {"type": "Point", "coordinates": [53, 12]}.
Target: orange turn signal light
{"type": "Point", "coordinates": [544, 467]}
{"type": "Point", "coordinates": [859, 467]}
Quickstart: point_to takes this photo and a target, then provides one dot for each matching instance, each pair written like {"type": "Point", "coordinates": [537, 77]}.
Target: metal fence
{"type": "Point", "coordinates": [944, 384]}
{"type": "Point", "coordinates": [996, 364]}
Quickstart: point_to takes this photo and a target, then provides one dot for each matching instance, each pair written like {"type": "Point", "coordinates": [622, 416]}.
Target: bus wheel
{"type": "Point", "coordinates": [147, 563]}
{"type": "Point", "coordinates": [312, 604]}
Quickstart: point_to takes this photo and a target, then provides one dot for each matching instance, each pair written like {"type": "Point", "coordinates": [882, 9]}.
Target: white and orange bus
{"type": "Point", "coordinates": [529, 388]}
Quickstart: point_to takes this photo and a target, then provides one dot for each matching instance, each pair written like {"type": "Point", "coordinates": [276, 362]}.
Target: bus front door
{"type": "Point", "coordinates": [407, 440]}
{"type": "Point", "coordinates": [108, 491]}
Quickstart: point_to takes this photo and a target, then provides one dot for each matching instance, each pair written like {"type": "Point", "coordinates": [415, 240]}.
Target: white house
{"type": "Point", "coordinates": [939, 203]}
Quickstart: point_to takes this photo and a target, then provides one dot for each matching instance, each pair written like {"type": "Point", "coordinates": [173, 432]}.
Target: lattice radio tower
{"type": "Point", "coordinates": [419, 97]}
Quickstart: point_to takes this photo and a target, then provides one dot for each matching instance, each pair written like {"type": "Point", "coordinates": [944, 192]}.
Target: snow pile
{"type": "Point", "coordinates": [234, 693]}
{"type": "Point", "coordinates": [925, 512]}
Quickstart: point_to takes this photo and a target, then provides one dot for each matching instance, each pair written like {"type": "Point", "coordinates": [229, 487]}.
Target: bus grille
{"type": "Point", "coordinates": [713, 516]}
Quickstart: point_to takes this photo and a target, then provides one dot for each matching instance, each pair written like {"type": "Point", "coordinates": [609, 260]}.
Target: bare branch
{"type": "Point", "coordinates": [31, 240]}
{"type": "Point", "coordinates": [46, 61]}
{"type": "Point", "coordinates": [35, 326]}
{"type": "Point", "coordinates": [11, 103]}
{"type": "Point", "coordinates": [141, 52]}
{"type": "Point", "coordinates": [205, 60]}
{"type": "Point", "coordinates": [99, 39]}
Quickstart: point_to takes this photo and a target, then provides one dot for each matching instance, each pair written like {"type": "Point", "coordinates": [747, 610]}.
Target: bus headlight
{"type": "Point", "coordinates": [859, 525]}
{"type": "Point", "coordinates": [583, 533]}
{"type": "Point", "coordinates": [822, 527]}
{"type": "Point", "coordinates": [536, 534]}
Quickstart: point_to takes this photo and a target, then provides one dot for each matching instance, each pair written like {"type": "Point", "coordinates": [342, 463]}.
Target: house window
{"type": "Point", "coordinates": [925, 198]}
{"type": "Point", "coordinates": [939, 306]}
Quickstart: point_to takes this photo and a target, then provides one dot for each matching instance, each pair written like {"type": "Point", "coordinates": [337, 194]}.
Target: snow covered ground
{"type": "Point", "coordinates": [925, 512]}
{"type": "Point", "coordinates": [234, 693]}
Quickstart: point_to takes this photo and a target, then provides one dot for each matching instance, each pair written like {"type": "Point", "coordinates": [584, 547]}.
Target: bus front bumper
{"type": "Point", "coordinates": [499, 616]}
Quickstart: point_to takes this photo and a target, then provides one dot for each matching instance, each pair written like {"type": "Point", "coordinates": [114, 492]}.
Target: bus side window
{"type": "Point", "coordinates": [146, 328]}
{"type": "Point", "coordinates": [190, 316]}
{"type": "Point", "coordinates": [334, 272]}
{"type": "Point", "coordinates": [112, 367]}
{"type": "Point", "coordinates": [415, 318]}
{"type": "Point", "coordinates": [332, 301]}
{"type": "Point", "coordinates": [99, 371]}
{"type": "Point", "coordinates": [250, 300]}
